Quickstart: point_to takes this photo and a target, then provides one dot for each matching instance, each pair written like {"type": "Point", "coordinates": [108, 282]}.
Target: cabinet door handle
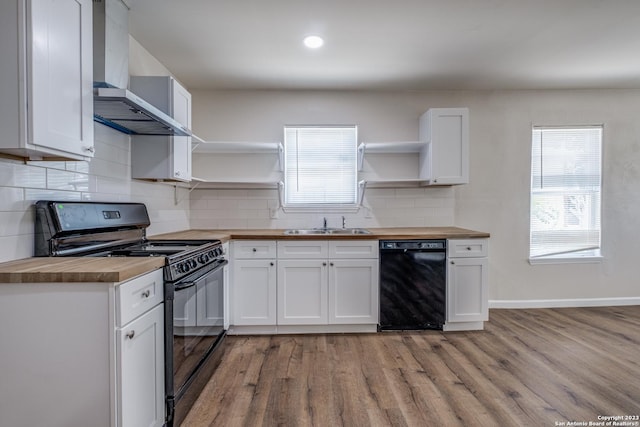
{"type": "Point", "coordinates": [331, 264]}
{"type": "Point", "coordinates": [452, 262]}
{"type": "Point", "coordinates": [468, 248]}
{"type": "Point", "coordinates": [130, 335]}
{"type": "Point", "coordinates": [90, 149]}
{"type": "Point", "coordinates": [146, 294]}
{"type": "Point", "coordinates": [271, 264]}
{"type": "Point", "coordinates": [324, 264]}
{"type": "Point", "coordinates": [254, 249]}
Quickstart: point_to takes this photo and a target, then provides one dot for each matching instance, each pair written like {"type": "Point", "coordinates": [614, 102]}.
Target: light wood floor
{"type": "Point", "coordinates": [527, 368]}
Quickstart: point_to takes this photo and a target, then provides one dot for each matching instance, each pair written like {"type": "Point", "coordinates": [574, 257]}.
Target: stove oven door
{"type": "Point", "coordinates": [194, 320]}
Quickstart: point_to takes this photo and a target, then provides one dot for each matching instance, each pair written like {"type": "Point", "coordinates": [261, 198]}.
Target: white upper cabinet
{"type": "Point", "coordinates": [444, 159]}
{"type": "Point", "coordinates": [159, 156]}
{"type": "Point", "coordinates": [46, 88]}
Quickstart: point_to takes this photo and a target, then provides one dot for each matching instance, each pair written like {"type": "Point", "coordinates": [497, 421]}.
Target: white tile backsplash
{"type": "Point", "coordinates": [246, 209]}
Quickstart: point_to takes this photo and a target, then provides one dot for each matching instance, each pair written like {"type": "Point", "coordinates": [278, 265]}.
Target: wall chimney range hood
{"type": "Point", "coordinates": [113, 104]}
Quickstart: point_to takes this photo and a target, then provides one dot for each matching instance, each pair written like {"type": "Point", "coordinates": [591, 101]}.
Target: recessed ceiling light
{"type": "Point", "coordinates": [313, 42]}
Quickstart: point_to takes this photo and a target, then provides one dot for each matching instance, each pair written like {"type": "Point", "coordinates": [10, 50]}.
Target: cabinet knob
{"type": "Point", "coordinates": [468, 248]}
{"type": "Point", "coordinates": [271, 264]}
{"type": "Point", "coordinates": [177, 173]}
{"type": "Point", "coordinates": [90, 149]}
{"type": "Point", "coordinates": [324, 263]}
{"type": "Point", "coordinates": [452, 262]}
{"type": "Point", "coordinates": [131, 334]}
{"type": "Point", "coordinates": [146, 294]}
{"type": "Point", "coordinates": [254, 250]}
{"type": "Point", "coordinates": [331, 264]}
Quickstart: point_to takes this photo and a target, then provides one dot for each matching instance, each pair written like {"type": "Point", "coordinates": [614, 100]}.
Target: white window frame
{"type": "Point", "coordinates": [289, 206]}
{"type": "Point", "coordinates": [588, 254]}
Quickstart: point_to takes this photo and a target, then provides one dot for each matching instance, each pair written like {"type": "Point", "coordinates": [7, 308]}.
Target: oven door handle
{"type": "Point", "coordinates": [184, 285]}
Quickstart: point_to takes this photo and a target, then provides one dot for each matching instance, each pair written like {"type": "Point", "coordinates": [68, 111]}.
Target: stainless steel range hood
{"type": "Point", "coordinates": [128, 113]}
{"type": "Point", "coordinates": [113, 104]}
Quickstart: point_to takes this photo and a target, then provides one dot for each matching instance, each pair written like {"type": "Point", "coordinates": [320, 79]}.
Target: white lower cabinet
{"type": "Point", "coordinates": [467, 284]}
{"type": "Point", "coordinates": [302, 292]}
{"type": "Point", "coordinates": [353, 291]}
{"type": "Point", "coordinates": [308, 286]}
{"type": "Point", "coordinates": [254, 292]}
{"type": "Point", "coordinates": [84, 354]}
{"type": "Point", "coordinates": [253, 283]}
{"type": "Point", "coordinates": [141, 370]}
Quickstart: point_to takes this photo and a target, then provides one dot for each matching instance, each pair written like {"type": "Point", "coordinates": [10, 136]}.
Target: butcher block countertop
{"type": "Point", "coordinates": [118, 269]}
{"type": "Point", "coordinates": [72, 269]}
{"type": "Point", "coordinates": [376, 234]}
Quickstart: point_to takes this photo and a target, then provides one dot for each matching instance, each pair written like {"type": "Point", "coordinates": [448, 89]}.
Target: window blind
{"type": "Point", "coordinates": [565, 191]}
{"type": "Point", "coordinates": [320, 165]}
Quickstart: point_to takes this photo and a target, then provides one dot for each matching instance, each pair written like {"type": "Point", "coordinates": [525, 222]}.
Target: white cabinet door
{"type": "Point", "coordinates": [467, 289]}
{"type": "Point", "coordinates": [353, 291]}
{"type": "Point", "coordinates": [445, 158]}
{"type": "Point", "coordinates": [302, 292]}
{"type": "Point", "coordinates": [140, 372]}
{"type": "Point", "coordinates": [254, 292]}
{"type": "Point", "coordinates": [181, 145]}
{"type": "Point", "coordinates": [49, 81]}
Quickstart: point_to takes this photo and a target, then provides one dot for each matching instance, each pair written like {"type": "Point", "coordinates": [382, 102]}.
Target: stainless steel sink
{"type": "Point", "coordinates": [326, 231]}
{"type": "Point", "coordinates": [349, 231]}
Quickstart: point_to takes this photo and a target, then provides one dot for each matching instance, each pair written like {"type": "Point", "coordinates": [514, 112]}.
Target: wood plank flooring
{"type": "Point", "coordinates": [533, 367]}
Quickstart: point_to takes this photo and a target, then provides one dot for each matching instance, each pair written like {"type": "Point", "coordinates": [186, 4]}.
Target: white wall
{"type": "Point", "coordinates": [496, 200]}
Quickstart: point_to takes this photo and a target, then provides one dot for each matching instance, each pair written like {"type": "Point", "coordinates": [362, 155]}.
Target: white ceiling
{"type": "Point", "coordinates": [400, 45]}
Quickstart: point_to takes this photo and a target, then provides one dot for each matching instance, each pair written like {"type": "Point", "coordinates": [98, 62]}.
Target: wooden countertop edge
{"type": "Point", "coordinates": [76, 270]}
{"type": "Point", "coordinates": [376, 234]}
{"type": "Point", "coordinates": [85, 270]}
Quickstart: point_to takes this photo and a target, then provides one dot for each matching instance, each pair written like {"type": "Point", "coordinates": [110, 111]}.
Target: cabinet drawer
{"type": "Point", "coordinates": [138, 295]}
{"type": "Point", "coordinates": [467, 248]}
{"type": "Point", "coordinates": [353, 249]}
{"type": "Point", "coordinates": [307, 249]}
{"type": "Point", "coordinates": [254, 249]}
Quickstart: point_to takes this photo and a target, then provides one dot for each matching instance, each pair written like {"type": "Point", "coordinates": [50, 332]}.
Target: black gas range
{"type": "Point", "coordinates": [193, 288]}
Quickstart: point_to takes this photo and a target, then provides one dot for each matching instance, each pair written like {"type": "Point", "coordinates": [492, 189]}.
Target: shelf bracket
{"type": "Point", "coordinates": [361, 149]}
{"type": "Point", "coordinates": [176, 199]}
{"type": "Point", "coordinates": [280, 157]}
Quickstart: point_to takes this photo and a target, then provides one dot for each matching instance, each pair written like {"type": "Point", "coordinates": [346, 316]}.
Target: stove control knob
{"type": "Point", "coordinates": [192, 263]}
{"type": "Point", "coordinates": [202, 259]}
{"type": "Point", "coordinates": [183, 267]}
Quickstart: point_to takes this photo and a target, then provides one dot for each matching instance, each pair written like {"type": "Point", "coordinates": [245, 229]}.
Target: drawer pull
{"type": "Point", "coordinates": [130, 335]}
{"type": "Point", "coordinates": [324, 263]}
{"type": "Point", "coordinates": [146, 294]}
{"type": "Point", "coordinates": [468, 248]}
{"type": "Point", "coordinates": [254, 250]}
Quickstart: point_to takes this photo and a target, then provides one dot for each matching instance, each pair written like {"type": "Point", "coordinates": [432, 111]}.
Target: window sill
{"type": "Point", "coordinates": [564, 259]}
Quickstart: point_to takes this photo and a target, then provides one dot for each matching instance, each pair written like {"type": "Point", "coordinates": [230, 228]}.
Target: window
{"type": "Point", "coordinates": [565, 193]}
{"type": "Point", "coordinates": [320, 166]}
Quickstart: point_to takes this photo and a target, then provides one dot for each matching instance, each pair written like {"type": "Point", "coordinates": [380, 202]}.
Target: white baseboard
{"type": "Point", "coordinates": [560, 303]}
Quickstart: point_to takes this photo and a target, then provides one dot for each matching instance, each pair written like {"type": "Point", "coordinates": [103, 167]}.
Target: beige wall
{"type": "Point", "coordinates": [496, 200]}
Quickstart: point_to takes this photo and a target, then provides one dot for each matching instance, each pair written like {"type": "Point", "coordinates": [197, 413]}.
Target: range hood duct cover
{"type": "Point", "coordinates": [113, 105]}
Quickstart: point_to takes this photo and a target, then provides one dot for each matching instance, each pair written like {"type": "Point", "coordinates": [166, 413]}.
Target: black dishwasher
{"type": "Point", "coordinates": [412, 284]}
